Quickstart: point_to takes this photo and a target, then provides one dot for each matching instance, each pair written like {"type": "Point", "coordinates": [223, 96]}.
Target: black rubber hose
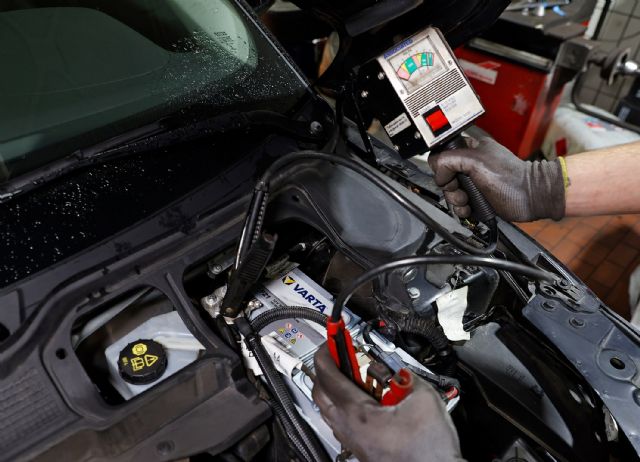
{"type": "Point", "coordinates": [287, 312]}
{"type": "Point", "coordinates": [303, 437]}
{"type": "Point", "coordinates": [431, 330]}
{"type": "Point", "coordinates": [425, 327]}
{"type": "Point", "coordinates": [289, 429]}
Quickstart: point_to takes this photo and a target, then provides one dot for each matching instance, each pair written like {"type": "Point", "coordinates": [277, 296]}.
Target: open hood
{"type": "Point", "coordinates": [369, 27]}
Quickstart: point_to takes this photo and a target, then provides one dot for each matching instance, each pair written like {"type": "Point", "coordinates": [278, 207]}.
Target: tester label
{"type": "Point", "coordinates": [398, 124]}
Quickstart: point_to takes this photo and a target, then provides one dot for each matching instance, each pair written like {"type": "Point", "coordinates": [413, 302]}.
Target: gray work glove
{"type": "Point", "coordinates": [418, 429]}
{"type": "Point", "coordinates": [518, 190]}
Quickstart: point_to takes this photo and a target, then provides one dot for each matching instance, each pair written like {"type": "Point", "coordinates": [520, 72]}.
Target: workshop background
{"type": "Point", "coordinates": [602, 251]}
{"type": "Point", "coordinates": [620, 27]}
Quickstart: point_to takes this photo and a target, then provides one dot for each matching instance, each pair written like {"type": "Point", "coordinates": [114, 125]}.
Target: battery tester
{"type": "Point", "coordinates": [419, 93]}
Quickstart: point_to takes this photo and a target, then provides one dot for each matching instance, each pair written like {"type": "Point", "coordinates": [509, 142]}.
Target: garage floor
{"type": "Point", "coordinates": [602, 251]}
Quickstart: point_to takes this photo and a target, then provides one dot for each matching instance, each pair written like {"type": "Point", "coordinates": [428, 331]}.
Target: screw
{"type": "Point", "coordinates": [216, 269]}
{"type": "Point", "coordinates": [417, 135]}
{"type": "Point", "coordinates": [576, 322]}
{"type": "Point", "coordinates": [409, 275]}
{"type": "Point", "coordinates": [413, 292]}
{"type": "Point", "coordinates": [364, 93]}
{"type": "Point", "coordinates": [563, 283]}
{"type": "Point", "coordinates": [210, 300]}
{"type": "Point", "coordinates": [380, 75]}
{"type": "Point", "coordinates": [228, 311]}
{"type": "Point", "coordinates": [316, 128]}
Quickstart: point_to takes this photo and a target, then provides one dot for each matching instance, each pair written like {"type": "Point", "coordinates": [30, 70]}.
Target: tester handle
{"type": "Point", "coordinates": [479, 204]}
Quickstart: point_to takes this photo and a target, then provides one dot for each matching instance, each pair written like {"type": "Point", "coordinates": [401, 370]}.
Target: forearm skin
{"type": "Point", "coordinates": [604, 182]}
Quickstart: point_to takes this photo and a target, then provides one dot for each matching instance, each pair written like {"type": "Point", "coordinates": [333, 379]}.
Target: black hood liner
{"type": "Point", "coordinates": [459, 20]}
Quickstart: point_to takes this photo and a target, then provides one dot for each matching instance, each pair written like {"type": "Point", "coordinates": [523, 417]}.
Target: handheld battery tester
{"type": "Point", "coordinates": [419, 93]}
{"type": "Point", "coordinates": [417, 90]}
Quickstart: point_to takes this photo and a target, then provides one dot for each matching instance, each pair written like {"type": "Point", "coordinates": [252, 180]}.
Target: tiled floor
{"type": "Point", "coordinates": [602, 251]}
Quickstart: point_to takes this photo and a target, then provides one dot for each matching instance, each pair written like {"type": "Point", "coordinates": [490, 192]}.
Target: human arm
{"type": "Point", "coordinates": [604, 182]}
{"type": "Point", "coordinates": [598, 182]}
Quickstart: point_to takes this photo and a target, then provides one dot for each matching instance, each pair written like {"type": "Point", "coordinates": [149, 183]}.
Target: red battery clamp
{"type": "Point", "coordinates": [344, 354]}
{"type": "Point", "coordinates": [342, 350]}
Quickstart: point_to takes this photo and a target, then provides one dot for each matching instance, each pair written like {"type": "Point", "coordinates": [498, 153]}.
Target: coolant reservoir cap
{"type": "Point", "coordinates": [142, 362]}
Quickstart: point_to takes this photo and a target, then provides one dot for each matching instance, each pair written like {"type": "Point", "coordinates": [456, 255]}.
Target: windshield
{"type": "Point", "coordinates": [77, 72]}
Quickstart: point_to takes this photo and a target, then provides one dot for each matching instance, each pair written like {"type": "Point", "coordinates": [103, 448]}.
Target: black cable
{"type": "Point", "coordinates": [289, 429]}
{"type": "Point", "coordinates": [252, 225]}
{"type": "Point", "coordinates": [302, 436]}
{"type": "Point", "coordinates": [263, 187]}
{"type": "Point", "coordinates": [469, 260]}
{"type": "Point", "coordinates": [290, 417]}
{"type": "Point", "coordinates": [287, 312]}
{"type": "Point", "coordinates": [440, 380]}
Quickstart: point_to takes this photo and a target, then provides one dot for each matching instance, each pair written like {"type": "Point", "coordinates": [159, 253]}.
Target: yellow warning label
{"type": "Point", "coordinates": [292, 341]}
{"type": "Point", "coordinates": [139, 349]}
{"type": "Point", "coordinates": [288, 280]}
{"type": "Point", "coordinates": [281, 330]}
{"type": "Point", "coordinates": [150, 359]}
{"type": "Point", "coordinates": [137, 363]}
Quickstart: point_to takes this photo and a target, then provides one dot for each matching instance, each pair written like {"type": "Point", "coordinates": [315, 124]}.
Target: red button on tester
{"type": "Point", "coordinates": [436, 120]}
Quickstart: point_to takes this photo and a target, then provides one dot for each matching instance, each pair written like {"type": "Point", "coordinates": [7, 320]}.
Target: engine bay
{"type": "Point", "coordinates": [250, 231]}
{"type": "Point", "coordinates": [460, 327]}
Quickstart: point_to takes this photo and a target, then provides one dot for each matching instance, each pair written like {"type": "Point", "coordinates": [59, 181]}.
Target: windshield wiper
{"type": "Point", "coordinates": [166, 132]}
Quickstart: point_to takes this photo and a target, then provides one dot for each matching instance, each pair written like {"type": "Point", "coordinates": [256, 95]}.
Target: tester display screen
{"type": "Point", "coordinates": [413, 68]}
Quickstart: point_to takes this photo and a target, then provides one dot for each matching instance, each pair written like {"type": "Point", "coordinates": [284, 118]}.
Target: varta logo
{"type": "Point", "coordinates": [304, 293]}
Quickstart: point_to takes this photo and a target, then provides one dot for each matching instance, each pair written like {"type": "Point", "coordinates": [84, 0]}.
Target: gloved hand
{"type": "Point", "coordinates": [417, 429]}
{"type": "Point", "coordinates": [518, 190]}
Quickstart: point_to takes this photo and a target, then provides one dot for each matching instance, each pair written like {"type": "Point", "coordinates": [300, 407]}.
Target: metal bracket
{"type": "Point", "coordinates": [576, 298]}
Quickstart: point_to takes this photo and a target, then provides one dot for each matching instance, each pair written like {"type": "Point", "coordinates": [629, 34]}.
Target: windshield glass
{"type": "Point", "coordinates": [77, 72]}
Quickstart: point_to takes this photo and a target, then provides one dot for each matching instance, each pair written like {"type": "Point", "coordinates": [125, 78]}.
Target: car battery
{"type": "Point", "coordinates": [292, 287]}
{"type": "Point", "coordinates": [300, 339]}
